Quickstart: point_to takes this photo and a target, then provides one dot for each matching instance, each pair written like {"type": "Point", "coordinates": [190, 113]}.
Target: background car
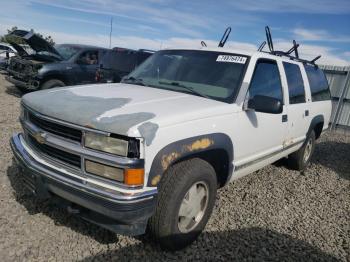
{"type": "Point", "coordinates": [119, 62]}
{"type": "Point", "coordinates": [52, 66]}
{"type": "Point", "coordinates": [6, 50]}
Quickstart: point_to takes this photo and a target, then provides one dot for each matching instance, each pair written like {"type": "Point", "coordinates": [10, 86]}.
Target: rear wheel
{"type": "Point", "coordinates": [186, 199]}
{"type": "Point", "coordinates": [51, 84]}
{"type": "Point", "coordinates": [301, 158]}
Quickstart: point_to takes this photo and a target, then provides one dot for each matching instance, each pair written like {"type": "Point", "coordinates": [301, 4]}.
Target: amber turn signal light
{"type": "Point", "coordinates": [134, 177]}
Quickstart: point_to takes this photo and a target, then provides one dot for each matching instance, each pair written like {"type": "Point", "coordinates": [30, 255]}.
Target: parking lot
{"type": "Point", "coordinates": [272, 214]}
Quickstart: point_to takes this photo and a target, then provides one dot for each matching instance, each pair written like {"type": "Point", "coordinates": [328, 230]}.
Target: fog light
{"type": "Point", "coordinates": [105, 171]}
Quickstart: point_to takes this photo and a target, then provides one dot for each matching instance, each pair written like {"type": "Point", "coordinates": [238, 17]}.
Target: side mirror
{"type": "Point", "coordinates": [265, 104]}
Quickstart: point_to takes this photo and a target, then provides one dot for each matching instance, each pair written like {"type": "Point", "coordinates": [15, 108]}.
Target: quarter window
{"type": "Point", "coordinates": [318, 83]}
{"type": "Point", "coordinates": [266, 80]}
{"type": "Point", "coordinates": [295, 82]}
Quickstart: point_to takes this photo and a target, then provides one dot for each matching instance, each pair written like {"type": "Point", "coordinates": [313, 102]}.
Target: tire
{"type": "Point", "coordinates": [166, 226]}
{"type": "Point", "coordinates": [301, 158]}
{"type": "Point", "coordinates": [23, 90]}
{"type": "Point", "coordinates": [51, 84]}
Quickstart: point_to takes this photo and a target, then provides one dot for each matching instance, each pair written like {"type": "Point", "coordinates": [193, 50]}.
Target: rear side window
{"type": "Point", "coordinates": [122, 60]}
{"type": "Point", "coordinates": [318, 83]}
{"type": "Point", "coordinates": [295, 82]}
{"type": "Point", "coordinates": [142, 56]}
{"type": "Point", "coordinates": [266, 80]}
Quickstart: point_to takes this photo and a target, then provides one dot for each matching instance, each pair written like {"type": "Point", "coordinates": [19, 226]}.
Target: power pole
{"type": "Point", "coordinates": [110, 33]}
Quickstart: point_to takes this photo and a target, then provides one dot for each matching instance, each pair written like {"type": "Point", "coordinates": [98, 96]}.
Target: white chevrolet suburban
{"type": "Point", "coordinates": [151, 152]}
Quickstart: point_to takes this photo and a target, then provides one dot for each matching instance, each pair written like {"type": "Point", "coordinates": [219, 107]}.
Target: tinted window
{"type": "Point", "coordinates": [295, 83]}
{"type": "Point", "coordinates": [67, 51]}
{"type": "Point", "coordinates": [318, 83]}
{"type": "Point", "coordinates": [89, 58]}
{"type": "Point", "coordinates": [266, 80]}
{"type": "Point", "coordinates": [142, 56]}
{"type": "Point", "coordinates": [122, 60]}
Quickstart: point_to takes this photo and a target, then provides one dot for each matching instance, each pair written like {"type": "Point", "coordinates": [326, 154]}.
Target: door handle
{"type": "Point", "coordinates": [284, 118]}
{"type": "Point", "coordinates": [306, 112]}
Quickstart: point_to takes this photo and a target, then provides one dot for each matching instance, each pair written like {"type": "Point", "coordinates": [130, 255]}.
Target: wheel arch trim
{"type": "Point", "coordinates": [186, 148]}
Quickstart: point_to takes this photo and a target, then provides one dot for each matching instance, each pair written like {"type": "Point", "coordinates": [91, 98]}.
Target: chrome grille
{"type": "Point", "coordinates": [66, 157]}
{"type": "Point", "coordinates": [54, 128]}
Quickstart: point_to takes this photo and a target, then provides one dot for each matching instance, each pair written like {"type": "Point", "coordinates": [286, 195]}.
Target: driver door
{"type": "Point", "coordinates": [86, 66]}
{"type": "Point", "coordinates": [261, 134]}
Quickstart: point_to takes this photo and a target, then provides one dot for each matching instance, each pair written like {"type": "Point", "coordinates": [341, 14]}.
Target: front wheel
{"type": "Point", "coordinates": [186, 199]}
{"type": "Point", "coordinates": [301, 158]}
{"type": "Point", "coordinates": [51, 84]}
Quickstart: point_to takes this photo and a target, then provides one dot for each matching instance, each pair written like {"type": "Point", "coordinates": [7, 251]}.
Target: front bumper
{"type": "Point", "coordinates": [30, 85]}
{"type": "Point", "coordinates": [122, 213]}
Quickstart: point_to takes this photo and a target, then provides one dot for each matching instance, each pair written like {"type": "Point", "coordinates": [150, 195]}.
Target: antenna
{"type": "Point", "coordinates": [224, 37]}
{"type": "Point", "coordinates": [110, 33]}
{"type": "Point", "coordinates": [262, 45]}
{"type": "Point", "coordinates": [203, 44]}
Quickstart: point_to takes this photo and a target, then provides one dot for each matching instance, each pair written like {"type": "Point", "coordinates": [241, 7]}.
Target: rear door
{"type": "Point", "coordinates": [297, 104]}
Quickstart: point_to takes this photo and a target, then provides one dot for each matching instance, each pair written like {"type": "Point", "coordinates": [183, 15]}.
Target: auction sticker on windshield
{"type": "Point", "coordinates": [231, 59]}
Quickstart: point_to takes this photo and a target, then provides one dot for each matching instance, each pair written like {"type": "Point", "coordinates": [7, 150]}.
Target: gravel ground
{"type": "Point", "coordinates": [273, 214]}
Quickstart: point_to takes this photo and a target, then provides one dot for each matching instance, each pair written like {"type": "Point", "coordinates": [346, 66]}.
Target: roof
{"type": "Point", "coordinates": [261, 54]}
{"type": "Point", "coordinates": [84, 46]}
{"type": "Point", "coordinates": [218, 49]}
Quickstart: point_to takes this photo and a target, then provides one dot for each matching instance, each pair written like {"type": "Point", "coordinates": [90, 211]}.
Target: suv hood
{"type": "Point", "coordinates": [122, 108]}
{"type": "Point", "coordinates": [37, 43]}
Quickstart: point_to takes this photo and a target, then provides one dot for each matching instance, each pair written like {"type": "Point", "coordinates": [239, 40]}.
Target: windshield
{"type": "Point", "coordinates": [215, 75]}
{"type": "Point", "coordinates": [67, 51]}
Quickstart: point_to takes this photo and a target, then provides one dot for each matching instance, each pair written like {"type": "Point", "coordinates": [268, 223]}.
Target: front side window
{"type": "Point", "coordinates": [295, 82]}
{"type": "Point", "coordinates": [266, 80]}
{"type": "Point", "coordinates": [318, 83]}
{"type": "Point", "coordinates": [214, 75]}
{"type": "Point", "coordinates": [89, 58]}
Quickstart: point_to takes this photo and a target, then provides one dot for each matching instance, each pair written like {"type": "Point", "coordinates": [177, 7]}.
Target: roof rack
{"type": "Point", "coordinates": [288, 54]}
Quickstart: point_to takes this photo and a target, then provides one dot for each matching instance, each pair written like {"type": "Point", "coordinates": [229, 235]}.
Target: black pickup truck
{"type": "Point", "coordinates": [52, 66]}
{"type": "Point", "coordinates": [119, 62]}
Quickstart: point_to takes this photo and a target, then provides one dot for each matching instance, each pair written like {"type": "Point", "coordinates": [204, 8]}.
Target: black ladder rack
{"type": "Point", "coordinates": [283, 53]}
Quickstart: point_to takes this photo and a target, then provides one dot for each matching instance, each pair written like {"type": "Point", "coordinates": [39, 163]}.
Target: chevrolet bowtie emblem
{"type": "Point", "coordinates": [40, 137]}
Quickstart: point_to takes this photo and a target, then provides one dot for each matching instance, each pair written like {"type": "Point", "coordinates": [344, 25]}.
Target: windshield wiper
{"type": "Point", "coordinates": [174, 83]}
{"type": "Point", "coordinates": [136, 81]}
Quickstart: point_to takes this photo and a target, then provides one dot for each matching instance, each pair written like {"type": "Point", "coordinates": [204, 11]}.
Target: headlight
{"type": "Point", "coordinates": [106, 144]}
